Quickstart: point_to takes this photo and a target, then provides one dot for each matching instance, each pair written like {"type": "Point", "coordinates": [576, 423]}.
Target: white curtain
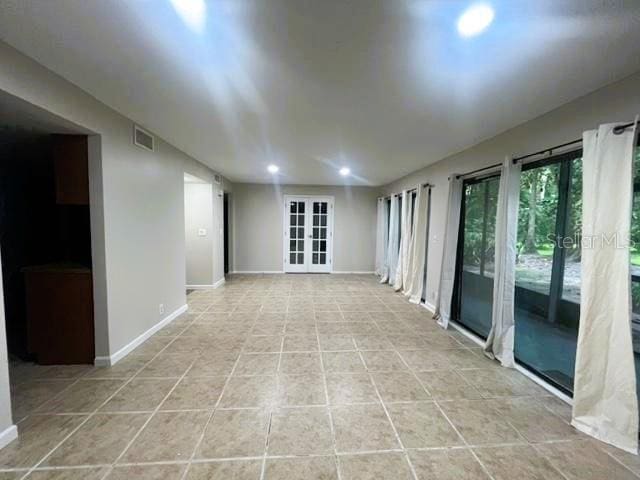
{"type": "Point", "coordinates": [415, 282]}
{"type": "Point", "coordinates": [382, 237]}
{"type": "Point", "coordinates": [605, 405]}
{"type": "Point", "coordinates": [402, 269]}
{"type": "Point", "coordinates": [393, 243]}
{"type": "Point", "coordinates": [500, 340]}
{"type": "Point", "coordinates": [448, 268]}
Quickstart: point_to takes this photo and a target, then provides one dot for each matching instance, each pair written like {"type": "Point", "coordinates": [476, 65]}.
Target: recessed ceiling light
{"type": "Point", "coordinates": [475, 20]}
{"type": "Point", "coordinates": [344, 171]}
{"type": "Point", "coordinates": [273, 168]}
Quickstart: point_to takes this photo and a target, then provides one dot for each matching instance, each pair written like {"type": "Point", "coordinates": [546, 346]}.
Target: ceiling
{"type": "Point", "coordinates": [382, 86]}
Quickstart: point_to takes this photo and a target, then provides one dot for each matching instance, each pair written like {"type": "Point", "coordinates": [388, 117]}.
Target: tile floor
{"type": "Point", "coordinates": [298, 377]}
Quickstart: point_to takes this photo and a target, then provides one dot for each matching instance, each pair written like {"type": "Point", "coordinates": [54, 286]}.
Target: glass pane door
{"type": "Point", "coordinates": [473, 296]}
{"type": "Point", "coordinates": [308, 234]}
{"type": "Point", "coordinates": [295, 236]}
{"type": "Point", "coordinates": [547, 293]}
{"type": "Point", "coordinates": [321, 219]}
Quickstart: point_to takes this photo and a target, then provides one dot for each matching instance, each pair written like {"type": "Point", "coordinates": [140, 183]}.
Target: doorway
{"type": "Point", "coordinates": [199, 232]}
{"type": "Point", "coordinates": [45, 241]}
{"type": "Point", "coordinates": [308, 234]}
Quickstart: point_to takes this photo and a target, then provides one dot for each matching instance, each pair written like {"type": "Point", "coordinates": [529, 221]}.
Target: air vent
{"type": "Point", "coordinates": [216, 179]}
{"type": "Point", "coordinates": [142, 138]}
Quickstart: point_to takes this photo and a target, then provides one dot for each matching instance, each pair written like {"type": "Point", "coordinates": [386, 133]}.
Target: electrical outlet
{"type": "Point", "coordinates": [161, 308]}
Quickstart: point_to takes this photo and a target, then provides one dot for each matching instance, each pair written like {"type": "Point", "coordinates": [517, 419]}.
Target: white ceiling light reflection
{"type": "Point", "coordinates": [475, 20]}
{"type": "Point", "coordinates": [344, 171]}
{"type": "Point", "coordinates": [273, 169]}
{"type": "Point", "coordinates": [192, 12]}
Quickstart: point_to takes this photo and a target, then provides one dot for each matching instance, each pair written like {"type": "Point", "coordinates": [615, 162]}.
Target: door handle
{"type": "Point", "coordinates": [310, 236]}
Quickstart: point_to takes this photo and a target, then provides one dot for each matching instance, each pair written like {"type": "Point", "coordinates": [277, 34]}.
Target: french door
{"type": "Point", "coordinates": [308, 234]}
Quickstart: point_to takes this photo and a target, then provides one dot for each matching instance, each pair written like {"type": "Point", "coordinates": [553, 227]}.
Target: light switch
{"type": "Point", "coordinates": [202, 232]}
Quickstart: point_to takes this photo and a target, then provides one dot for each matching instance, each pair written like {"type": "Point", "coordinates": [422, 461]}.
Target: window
{"type": "Point", "coordinates": [547, 293]}
{"type": "Point", "coordinates": [473, 295]}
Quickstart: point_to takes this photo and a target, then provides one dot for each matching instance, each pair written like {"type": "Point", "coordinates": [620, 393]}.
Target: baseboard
{"type": "Point", "coordinates": [257, 271]}
{"type": "Point", "coordinates": [206, 287]}
{"type": "Point", "coordinates": [355, 272]}
{"type": "Point", "coordinates": [8, 435]}
{"type": "Point", "coordinates": [111, 360]}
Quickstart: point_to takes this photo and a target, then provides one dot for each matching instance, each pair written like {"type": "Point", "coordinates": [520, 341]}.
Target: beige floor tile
{"type": "Point", "coordinates": [408, 342]}
{"type": "Point", "coordinates": [372, 342]}
{"type": "Point", "coordinates": [235, 433]}
{"type": "Point", "coordinates": [68, 474]}
{"type": "Point", "coordinates": [83, 396]}
{"type": "Point", "coordinates": [425, 360]}
{"type": "Point", "coordinates": [64, 372]}
{"type": "Point", "coordinates": [99, 441]}
{"type": "Point", "coordinates": [263, 344]}
{"type": "Point", "coordinates": [459, 464]}
{"type": "Point", "coordinates": [362, 428]}
{"type": "Point", "coordinates": [37, 436]}
{"type": "Point", "coordinates": [309, 468]}
{"type": "Point", "coordinates": [300, 343]}
{"type": "Point", "coordinates": [257, 364]}
{"type": "Point", "coordinates": [336, 343]}
{"type": "Point", "coordinates": [147, 472]}
{"type": "Point", "coordinates": [342, 362]}
{"type": "Point", "coordinates": [479, 423]}
{"type": "Point", "coordinates": [13, 475]}
{"type": "Point", "coordinates": [448, 385]}
{"type": "Point", "coordinates": [245, 392]}
{"type": "Point", "coordinates": [519, 462]}
{"type": "Point", "coordinates": [231, 470]}
{"type": "Point", "coordinates": [169, 436]}
{"type": "Point", "coordinates": [422, 425]}
{"type": "Point", "coordinates": [28, 396]}
{"type": "Point", "coordinates": [153, 345]}
{"type": "Point", "coordinates": [195, 393]}
{"type": "Point", "coordinates": [346, 388]}
{"type": "Point", "coordinates": [143, 394]}
{"type": "Point", "coordinates": [300, 328]}
{"type": "Point", "coordinates": [383, 361]}
{"type": "Point", "coordinates": [534, 422]}
{"type": "Point", "coordinates": [125, 368]}
{"type": "Point", "coordinates": [271, 328]}
{"type": "Point", "coordinates": [399, 387]}
{"type": "Point", "coordinates": [500, 382]}
{"type": "Point", "coordinates": [378, 466]}
{"type": "Point", "coordinates": [583, 460]}
{"type": "Point", "coordinates": [167, 365]}
{"type": "Point", "coordinates": [300, 431]}
{"type": "Point", "coordinates": [213, 364]}
{"type": "Point", "coordinates": [298, 363]}
{"type": "Point", "coordinates": [301, 390]}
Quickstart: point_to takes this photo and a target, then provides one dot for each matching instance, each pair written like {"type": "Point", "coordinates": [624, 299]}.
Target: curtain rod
{"type": "Point", "coordinates": [617, 130]}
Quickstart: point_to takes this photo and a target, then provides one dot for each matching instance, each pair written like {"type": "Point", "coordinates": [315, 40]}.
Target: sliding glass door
{"type": "Point", "coordinates": [473, 294]}
{"type": "Point", "coordinates": [547, 293]}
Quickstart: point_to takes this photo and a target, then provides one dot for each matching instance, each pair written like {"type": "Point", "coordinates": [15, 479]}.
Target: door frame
{"type": "Point", "coordinates": [285, 234]}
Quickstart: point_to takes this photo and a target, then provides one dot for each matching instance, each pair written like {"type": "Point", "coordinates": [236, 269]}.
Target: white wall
{"type": "Point", "coordinates": [7, 430]}
{"type": "Point", "coordinates": [198, 215]}
{"type": "Point", "coordinates": [618, 102]}
{"type": "Point", "coordinates": [258, 214]}
{"type": "Point", "coordinates": [137, 208]}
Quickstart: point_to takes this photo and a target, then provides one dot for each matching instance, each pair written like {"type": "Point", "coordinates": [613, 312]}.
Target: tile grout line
{"type": "Point", "coordinates": [386, 412]}
{"type": "Point", "coordinates": [204, 429]}
{"type": "Point", "coordinates": [328, 407]}
{"type": "Point", "coordinates": [94, 412]}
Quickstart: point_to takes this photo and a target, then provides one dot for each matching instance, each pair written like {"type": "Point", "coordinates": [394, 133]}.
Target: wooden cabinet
{"type": "Point", "coordinates": [60, 314]}
{"type": "Point", "coordinates": [71, 163]}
